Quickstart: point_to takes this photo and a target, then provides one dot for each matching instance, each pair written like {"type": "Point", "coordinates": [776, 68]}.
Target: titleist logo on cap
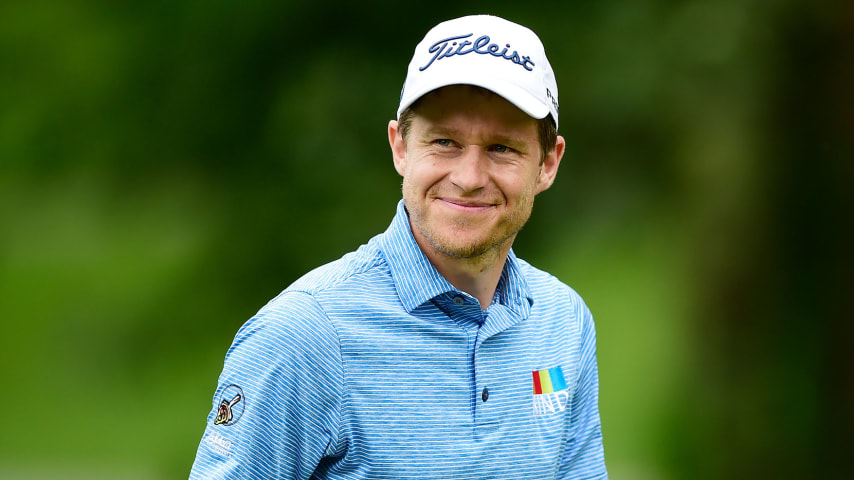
{"type": "Point", "coordinates": [442, 49]}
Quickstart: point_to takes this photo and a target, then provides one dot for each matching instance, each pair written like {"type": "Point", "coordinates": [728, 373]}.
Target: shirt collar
{"type": "Point", "coordinates": [417, 281]}
{"type": "Point", "coordinates": [513, 287]}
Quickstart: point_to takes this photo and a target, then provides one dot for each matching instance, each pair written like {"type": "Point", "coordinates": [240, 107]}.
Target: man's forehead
{"type": "Point", "coordinates": [458, 127]}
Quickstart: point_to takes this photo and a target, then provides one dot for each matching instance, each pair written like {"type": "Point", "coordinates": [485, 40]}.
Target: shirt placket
{"type": "Point", "coordinates": [479, 325]}
{"type": "Point", "coordinates": [489, 401]}
{"type": "Point", "coordinates": [464, 311]}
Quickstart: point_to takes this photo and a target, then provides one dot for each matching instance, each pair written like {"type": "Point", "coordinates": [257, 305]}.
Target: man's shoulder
{"type": "Point", "coordinates": [351, 271]}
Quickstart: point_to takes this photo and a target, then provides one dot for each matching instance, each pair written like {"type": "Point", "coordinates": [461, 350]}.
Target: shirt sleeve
{"type": "Point", "coordinates": [584, 457]}
{"type": "Point", "coordinates": [276, 409]}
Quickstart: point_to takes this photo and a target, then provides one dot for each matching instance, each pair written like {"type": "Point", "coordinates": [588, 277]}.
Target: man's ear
{"type": "Point", "coordinates": [548, 169]}
{"type": "Point", "coordinates": [398, 146]}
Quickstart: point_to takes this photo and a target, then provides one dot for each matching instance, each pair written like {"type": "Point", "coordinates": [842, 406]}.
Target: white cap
{"type": "Point", "coordinates": [488, 52]}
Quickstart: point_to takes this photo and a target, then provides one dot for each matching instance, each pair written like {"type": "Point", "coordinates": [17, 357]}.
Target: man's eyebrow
{"type": "Point", "coordinates": [508, 140]}
{"type": "Point", "coordinates": [437, 130]}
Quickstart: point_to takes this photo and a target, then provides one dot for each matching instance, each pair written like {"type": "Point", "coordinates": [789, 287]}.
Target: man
{"type": "Point", "coordinates": [432, 352]}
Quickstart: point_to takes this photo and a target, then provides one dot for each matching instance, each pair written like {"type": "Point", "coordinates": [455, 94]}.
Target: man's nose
{"type": "Point", "coordinates": [469, 173]}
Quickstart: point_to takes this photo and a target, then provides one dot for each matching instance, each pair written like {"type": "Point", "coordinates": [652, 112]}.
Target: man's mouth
{"type": "Point", "coordinates": [464, 205]}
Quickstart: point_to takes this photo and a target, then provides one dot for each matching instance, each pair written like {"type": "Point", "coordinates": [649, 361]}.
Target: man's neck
{"type": "Point", "coordinates": [478, 276]}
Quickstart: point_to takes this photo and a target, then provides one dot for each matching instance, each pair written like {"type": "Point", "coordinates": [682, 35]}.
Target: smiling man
{"type": "Point", "coordinates": [432, 352]}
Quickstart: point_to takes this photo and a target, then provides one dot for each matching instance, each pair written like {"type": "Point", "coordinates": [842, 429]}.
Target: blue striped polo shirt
{"type": "Point", "coordinates": [375, 367]}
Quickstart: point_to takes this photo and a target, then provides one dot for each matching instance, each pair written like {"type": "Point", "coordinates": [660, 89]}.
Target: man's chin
{"type": "Point", "coordinates": [461, 252]}
{"type": "Point", "coordinates": [469, 250]}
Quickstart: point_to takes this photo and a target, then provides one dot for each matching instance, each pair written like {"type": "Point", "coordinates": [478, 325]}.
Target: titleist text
{"type": "Point", "coordinates": [450, 47]}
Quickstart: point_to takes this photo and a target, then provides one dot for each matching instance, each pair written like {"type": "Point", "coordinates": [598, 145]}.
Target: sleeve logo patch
{"type": "Point", "coordinates": [551, 394]}
{"type": "Point", "coordinates": [231, 406]}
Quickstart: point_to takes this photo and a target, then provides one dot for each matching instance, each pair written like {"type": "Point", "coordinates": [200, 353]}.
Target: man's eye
{"type": "Point", "coordinates": [501, 148]}
{"type": "Point", "coordinates": [444, 142]}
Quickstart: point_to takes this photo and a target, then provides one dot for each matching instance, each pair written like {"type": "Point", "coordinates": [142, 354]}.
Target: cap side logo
{"type": "Point", "coordinates": [553, 99]}
{"type": "Point", "coordinates": [445, 48]}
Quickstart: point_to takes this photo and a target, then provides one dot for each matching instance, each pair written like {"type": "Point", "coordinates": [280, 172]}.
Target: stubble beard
{"type": "Point", "coordinates": [445, 242]}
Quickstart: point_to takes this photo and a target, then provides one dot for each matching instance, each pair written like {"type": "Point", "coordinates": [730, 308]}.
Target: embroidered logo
{"type": "Point", "coordinates": [219, 444]}
{"type": "Point", "coordinates": [231, 406]}
{"type": "Point", "coordinates": [553, 99]}
{"type": "Point", "coordinates": [448, 47]}
{"type": "Point", "coordinates": [550, 392]}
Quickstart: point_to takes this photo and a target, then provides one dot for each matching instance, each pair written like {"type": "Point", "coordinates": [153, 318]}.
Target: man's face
{"type": "Point", "coordinates": [471, 168]}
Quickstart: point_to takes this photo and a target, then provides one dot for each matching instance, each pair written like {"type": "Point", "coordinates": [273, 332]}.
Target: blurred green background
{"type": "Point", "coordinates": [168, 167]}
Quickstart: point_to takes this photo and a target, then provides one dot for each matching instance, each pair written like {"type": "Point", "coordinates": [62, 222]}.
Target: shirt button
{"type": "Point", "coordinates": [485, 394]}
{"type": "Point", "coordinates": [459, 301]}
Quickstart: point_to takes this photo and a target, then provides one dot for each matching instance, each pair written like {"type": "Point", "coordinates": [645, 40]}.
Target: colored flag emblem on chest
{"type": "Point", "coordinates": [550, 392]}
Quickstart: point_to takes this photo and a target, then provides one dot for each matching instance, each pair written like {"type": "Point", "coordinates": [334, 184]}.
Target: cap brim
{"type": "Point", "coordinates": [511, 92]}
